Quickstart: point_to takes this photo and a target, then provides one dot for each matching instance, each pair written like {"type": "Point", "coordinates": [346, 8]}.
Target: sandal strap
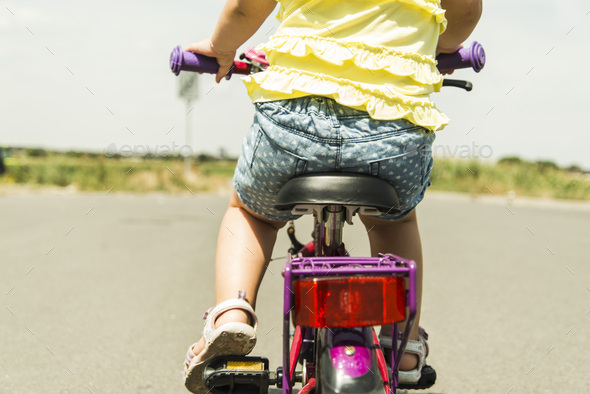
{"type": "Point", "coordinates": [212, 314]}
{"type": "Point", "coordinates": [421, 333]}
{"type": "Point", "coordinates": [419, 347]}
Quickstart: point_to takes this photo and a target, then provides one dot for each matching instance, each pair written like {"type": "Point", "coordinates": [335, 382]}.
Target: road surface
{"type": "Point", "coordinates": [103, 293]}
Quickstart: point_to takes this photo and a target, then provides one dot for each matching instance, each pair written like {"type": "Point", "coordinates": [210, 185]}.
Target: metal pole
{"type": "Point", "coordinates": [188, 159]}
{"type": "Point", "coordinates": [188, 90]}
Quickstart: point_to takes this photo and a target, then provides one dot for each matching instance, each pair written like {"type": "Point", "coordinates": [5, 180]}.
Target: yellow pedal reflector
{"type": "Point", "coordinates": [245, 366]}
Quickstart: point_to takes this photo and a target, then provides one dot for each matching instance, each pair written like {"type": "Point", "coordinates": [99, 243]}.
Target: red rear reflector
{"type": "Point", "coordinates": [349, 301]}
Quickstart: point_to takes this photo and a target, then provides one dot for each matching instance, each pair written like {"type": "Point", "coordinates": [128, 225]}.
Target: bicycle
{"type": "Point", "coordinates": [329, 295]}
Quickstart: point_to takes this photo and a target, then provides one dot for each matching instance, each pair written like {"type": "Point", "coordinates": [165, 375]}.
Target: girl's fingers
{"type": "Point", "coordinates": [225, 61]}
{"type": "Point", "coordinates": [222, 72]}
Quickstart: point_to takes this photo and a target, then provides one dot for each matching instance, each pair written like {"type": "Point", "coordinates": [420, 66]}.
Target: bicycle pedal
{"type": "Point", "coordinates": [238, 374]}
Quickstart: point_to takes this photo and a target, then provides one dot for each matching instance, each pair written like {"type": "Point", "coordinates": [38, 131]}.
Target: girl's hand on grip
{"type": "Point", "coordinates": [225, 60]}
{"type": "Point", "coordinates": [440, 50]}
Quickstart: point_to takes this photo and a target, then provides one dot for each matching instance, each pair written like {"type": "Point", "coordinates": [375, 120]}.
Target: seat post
{"type": "Point", "coordinates": [334, 218]}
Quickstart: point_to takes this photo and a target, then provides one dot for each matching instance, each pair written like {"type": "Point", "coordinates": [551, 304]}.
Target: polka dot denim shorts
{"type": "Point", "coordinates": [314, 134]}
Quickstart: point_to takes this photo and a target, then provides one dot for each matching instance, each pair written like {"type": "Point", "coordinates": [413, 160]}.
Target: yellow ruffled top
{"type": "Point", "coordinates": [374, 55]}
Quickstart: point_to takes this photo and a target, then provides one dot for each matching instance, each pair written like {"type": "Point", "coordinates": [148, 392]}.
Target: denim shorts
{"type": "Point", "coordinates": [312, 134]}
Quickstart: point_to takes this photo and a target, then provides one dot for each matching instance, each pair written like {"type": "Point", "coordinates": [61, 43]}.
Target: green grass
{"type": "Point", "coordinates": [130, 175]}
{"type": "Point", "coordinates": [95, 172]}
{"type": "Point", "coordinates": [539, 179]}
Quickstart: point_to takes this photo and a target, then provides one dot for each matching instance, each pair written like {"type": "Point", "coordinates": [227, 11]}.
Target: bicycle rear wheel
{"type": "Point", "coordinates": [346, 362]}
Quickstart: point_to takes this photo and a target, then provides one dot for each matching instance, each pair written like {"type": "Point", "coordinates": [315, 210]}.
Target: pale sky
{"type": "Point", "coordinates": [89, 74]}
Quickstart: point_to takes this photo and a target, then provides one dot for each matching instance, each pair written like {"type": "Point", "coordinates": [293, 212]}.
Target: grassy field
{"type": "Point", "coordinates": [90, 172]}
{"type": "Point", "coordinates": [37, 169]}
{"type": "Point", "coordinates": [511, 175]}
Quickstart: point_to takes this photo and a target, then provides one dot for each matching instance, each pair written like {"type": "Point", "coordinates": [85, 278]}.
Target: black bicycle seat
{"type": "Point", "coordinates": [337, 188]}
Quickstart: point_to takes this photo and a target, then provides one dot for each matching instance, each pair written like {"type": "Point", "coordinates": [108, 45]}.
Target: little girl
{"type": "Point", "coordinates": [347, 90]}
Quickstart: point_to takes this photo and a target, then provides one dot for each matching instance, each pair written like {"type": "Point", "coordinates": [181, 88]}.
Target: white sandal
{"type": "Point", "coordinates": [413, 379]}
{"type": "Point", "coordinates": [229, 339]}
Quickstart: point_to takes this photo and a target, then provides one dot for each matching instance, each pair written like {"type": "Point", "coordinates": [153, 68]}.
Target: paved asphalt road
{"type": "Point", "coordinates": [102, 294]}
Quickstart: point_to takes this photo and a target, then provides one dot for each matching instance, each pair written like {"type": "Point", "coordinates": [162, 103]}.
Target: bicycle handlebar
{"type": "Point", "coordinates": [473, 56]}
{"type": "Point", "coordinates": [187, 61]}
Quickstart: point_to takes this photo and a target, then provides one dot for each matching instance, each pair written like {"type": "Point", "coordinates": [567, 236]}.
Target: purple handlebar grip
{"type": "Point", "coordinates": [181, 60]}
{"type": "Point", "coordinates": [473, 57]}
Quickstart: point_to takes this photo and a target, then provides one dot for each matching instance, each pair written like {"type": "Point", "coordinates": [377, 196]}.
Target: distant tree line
{"type": "Point", "coordinates": [41, 152]}
{"type": "Point", "coordinates": [539, 165]}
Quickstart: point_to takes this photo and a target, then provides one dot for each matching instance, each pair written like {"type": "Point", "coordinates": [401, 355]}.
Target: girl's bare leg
{"type": "Point", "coordinates": [244, 248]}
{"type": "Point", "coordinates": [402, 238]}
